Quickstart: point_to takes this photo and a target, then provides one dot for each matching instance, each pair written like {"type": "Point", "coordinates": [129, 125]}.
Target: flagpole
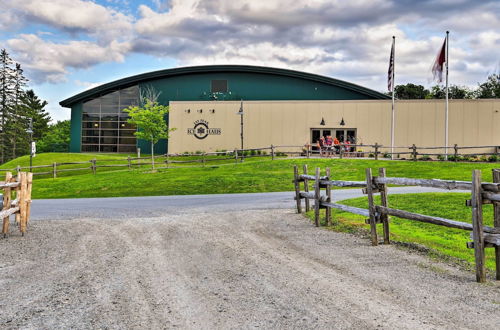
{"type": "Point", "coordinates": [446, 106]}
{"type": "Point", "coordinates": [393, 108]}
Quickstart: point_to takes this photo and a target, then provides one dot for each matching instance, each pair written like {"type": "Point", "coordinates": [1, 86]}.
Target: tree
{"type": "Point", "coordinates": [410, 91]}
{"type": "Point", "coordinates": [490, 88]}
{"type": "Point", "coordinates": [6, 96]}
{"type": "Point", "coordinates": [454, 92]}
{"type": "Point", "coordinates": [56, 138]}
{"type": "Point", "coordinates": [17, 122]}
{"type": "Point", "coordinates": [150, 121]}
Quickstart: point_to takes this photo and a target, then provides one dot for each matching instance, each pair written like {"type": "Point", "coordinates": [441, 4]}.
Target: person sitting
{"type": "Point", "coordinates": [336, 144]}
{"type": "Point", "coordinates": [329, 145]}
{"type": "Point", "coordinates": [321, 146]}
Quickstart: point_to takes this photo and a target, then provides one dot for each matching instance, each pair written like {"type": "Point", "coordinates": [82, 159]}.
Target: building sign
{"type": "Point", "coordinates": [201, 130]}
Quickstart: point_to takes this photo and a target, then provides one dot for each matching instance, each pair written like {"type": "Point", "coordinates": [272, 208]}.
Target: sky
{"type": "Point", "coordinates": [68, 46]}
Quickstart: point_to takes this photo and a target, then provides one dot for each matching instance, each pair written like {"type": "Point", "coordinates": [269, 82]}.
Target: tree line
{"type": "Point", "coordinates": [486, 90]}
{"type": "Point", "coordinates": [18, 106]}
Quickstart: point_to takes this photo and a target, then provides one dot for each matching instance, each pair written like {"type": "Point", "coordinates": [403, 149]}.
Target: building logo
{"type": "Point", "coordinates": [201, 130]}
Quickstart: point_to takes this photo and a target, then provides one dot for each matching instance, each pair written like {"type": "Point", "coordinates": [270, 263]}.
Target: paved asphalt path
{"type": "Point", "coordinates": [156, 206]}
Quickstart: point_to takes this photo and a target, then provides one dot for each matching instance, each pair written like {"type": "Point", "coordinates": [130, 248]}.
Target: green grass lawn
{"type": "Point", "coordinates": [254, 175]}
{"type": "Point", "coordinates": [442, 241]}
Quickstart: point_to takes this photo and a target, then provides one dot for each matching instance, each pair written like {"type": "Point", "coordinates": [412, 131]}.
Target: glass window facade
{"type": "Point", "coordinates": [104, 123]}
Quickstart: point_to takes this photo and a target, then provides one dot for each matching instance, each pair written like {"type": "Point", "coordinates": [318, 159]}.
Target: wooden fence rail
{"type": "Point", "coordinates": [239, 155]}
{"type": "Point", "coordinates": [19, 186]}
{"type": "Point", "coordinates": [481, 193]}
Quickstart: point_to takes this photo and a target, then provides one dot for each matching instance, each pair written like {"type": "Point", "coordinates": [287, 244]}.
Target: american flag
{"type": "Point", "coordinates": [390, 73]}
{"type": "Point", "coordinates": [437, 68]}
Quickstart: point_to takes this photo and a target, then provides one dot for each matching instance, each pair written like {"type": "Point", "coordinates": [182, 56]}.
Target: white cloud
{"type": "Point", "coordinates": [51, 60]}
{"type": "Point", "coordinates": [349, 40]}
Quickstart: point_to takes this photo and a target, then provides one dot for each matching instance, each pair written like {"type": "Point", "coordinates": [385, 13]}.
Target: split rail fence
{"type": "Point", "coordinates": [202, 159]}
{"type": "Point", "coordinates": [20, 187]}
{"type": "Point", "coordinates": [481, 193]}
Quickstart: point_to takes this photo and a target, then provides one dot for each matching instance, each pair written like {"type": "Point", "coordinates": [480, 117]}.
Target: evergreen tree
{"type": "Point", "coordinates": [18, 121]}
{"type": "Point", "coordinates": [6, 97]}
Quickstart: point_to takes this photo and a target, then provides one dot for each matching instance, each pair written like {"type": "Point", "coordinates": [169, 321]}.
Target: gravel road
{"type": "Point", "coordinates": [245, 269]}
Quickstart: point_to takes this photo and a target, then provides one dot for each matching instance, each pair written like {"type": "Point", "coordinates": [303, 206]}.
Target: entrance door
{"type": "Point", "coordinates": [346, 134]}
{"type": "Point", "coordinates": [316, 133]}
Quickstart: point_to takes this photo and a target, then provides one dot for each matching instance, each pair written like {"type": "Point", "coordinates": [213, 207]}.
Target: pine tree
{"type": "Point", "coordinates": [6, 97]}
{"type": "Point", "coordinates": [16, 126]}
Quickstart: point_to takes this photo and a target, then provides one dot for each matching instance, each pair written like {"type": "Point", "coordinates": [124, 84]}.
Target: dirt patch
{"type": "Point", "coordinates": [269, 269]}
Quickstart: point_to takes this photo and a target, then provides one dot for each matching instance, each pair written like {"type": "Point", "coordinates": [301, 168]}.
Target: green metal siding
{"type": "Point", "coordinates": [76, 128]}
{"type": "Point", "coordinates": [249, 86]}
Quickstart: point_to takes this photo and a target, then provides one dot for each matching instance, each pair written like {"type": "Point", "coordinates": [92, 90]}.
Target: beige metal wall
{"type": "Point", "coordinates": [420, 122]}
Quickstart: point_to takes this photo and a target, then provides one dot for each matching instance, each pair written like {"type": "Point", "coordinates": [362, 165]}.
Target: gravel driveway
{"type": "Point", "coordinates": [246, 269]}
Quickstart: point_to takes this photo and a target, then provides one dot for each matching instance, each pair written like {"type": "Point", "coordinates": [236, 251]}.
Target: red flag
{"type": "Point", "coordinates": [437, 68]}
{"type": "Point", "coordinates": [390, 73]}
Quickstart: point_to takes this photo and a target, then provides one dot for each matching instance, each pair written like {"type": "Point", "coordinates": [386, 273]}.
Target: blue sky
{"type": "Point", "coordinates": [67, 46]}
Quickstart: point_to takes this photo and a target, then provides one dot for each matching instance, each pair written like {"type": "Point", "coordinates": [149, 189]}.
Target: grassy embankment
{"type": "Point", "coordinates": [254, 175]}
{"type": "Point", "coordinates": [442, 242]}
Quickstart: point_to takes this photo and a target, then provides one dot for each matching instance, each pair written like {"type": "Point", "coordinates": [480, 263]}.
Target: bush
{"type": "Point", "coordinates": [443, 157]}
{"type": "Point", "coordinates": [386, 155]}
{"type": "Point", "coordinates": [425, 157]}
{"type": "Point", "coordinates": [253, 152]}
{"type": "Point", "coordinates": [493, 158]}
{"type": "Point", "coordinates": [371, 155]}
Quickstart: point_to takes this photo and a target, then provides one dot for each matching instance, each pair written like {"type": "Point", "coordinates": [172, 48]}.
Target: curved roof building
{"type": "Point", "coordinates": [99, 125]}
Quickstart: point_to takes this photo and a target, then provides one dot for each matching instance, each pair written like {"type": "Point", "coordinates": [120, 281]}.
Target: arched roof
{"type": "Point", "coordinates": [160, 74]}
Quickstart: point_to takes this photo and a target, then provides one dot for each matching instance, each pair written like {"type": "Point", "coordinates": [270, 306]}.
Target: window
{"type": "Point", "coordinates": [104, 122]}
{"type": "Point", "coordinates": [219, 86]}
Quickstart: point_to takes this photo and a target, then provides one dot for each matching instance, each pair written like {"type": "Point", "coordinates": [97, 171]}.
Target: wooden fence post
{"type": "Point", "coordinates": [371, 206]}
{"type": "Point", "coordinates": [7, 199]}
{"type": "Point", "coordinates": [17, 216]}
{"type": "Point", "coordinates": [93, 161]}
{"type": "Point", "coordinates": [317, 196]}
{"type": "Point", "coordinates": [272, 152]}
{"type": "Point", "coordinates": [328, 210]}
{"type": "Point", "coordinates": [308, 150]}
{"type": "Point", "coordinates": [376, 150]}
{"type": "Point", "coordinates": [496, 223]}
{"type": "Point", "coordinates": [129, 163]}
{"type": "Point", "coordinates": [414, 152]}
{"type": "Point", "coordinates": [455, 147]}
{"type": "Point", "coordinates": [29, 182]}
{"type": "Point", "coordinates": [306, 189]}
{"type": "Point", "coordinates": [297, 187]}
{"type": "Point", "coordinates": [342, 147]}
{"type": "Point", "coordinates": [22, 200]}
{"type": "Point", "coordinates": [385, 202]}
{"type": "Point", "coordinates": [477, 226]}
{"type": "Point", "coordinates": [54, 170]}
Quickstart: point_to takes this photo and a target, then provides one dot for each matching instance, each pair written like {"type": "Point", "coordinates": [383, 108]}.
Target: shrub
{"type": "Point", "coordinates": [425, 157]}
{"type": "Point", "coordinates": [442, 157]}
{"type": "Point", "coordinates": [253, 152]}
{"type": "Point", "coordinates": [371, 155]}
{"type": "Point", "coordinates": [386, 155]}
{"type": "Point", "coordinates": [493, 158]}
